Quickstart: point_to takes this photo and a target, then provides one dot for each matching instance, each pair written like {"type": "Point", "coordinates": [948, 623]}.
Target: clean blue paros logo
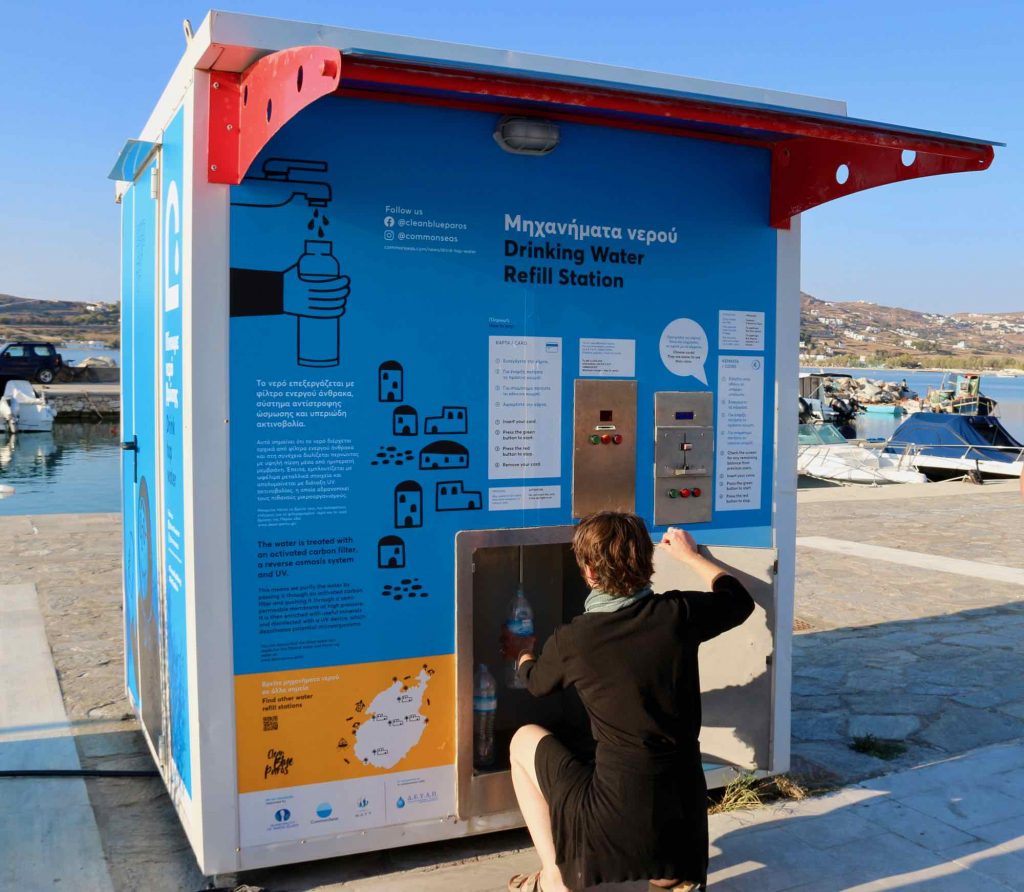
{"type": "Point", "coordinates": [282, 815]}
{"type": "Point", "coordinates": [323, 810]}
{"type": "Point", "coordinates": [401, 802]}
{"type": "Point", "coordinates": [363, 803]}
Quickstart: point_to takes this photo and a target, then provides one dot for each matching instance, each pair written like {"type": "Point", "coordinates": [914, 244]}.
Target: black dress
{"type": "Point", "coordinates": [639, 810]}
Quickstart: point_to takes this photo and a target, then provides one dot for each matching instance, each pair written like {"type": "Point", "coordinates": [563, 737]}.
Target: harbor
{"type": "Point", "coordinates": [84, 401]}
{"type": "Point", "coordinates": [898, 637]}
{"type": "Point", "coordinates": [863, 431]}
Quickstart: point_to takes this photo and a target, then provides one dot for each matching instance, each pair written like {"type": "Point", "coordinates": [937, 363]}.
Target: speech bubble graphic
{"type": "Point", "coordinates": [684, 349]}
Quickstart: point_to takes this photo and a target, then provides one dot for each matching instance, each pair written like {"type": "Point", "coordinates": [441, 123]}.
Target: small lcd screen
{"type": "Point", "coordinates": [684, 416]}
{"type": "Point", "coordinates": [606, 414]}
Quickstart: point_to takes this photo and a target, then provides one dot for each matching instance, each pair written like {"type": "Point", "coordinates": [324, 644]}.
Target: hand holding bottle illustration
{"type": "Point", "coordinates": [316, 293]}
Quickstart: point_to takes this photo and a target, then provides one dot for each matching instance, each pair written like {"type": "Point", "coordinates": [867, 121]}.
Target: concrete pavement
{"type": "Point", "coordinates": [48, 832]}
{"type": "Point", "coordinates": [953, 826]}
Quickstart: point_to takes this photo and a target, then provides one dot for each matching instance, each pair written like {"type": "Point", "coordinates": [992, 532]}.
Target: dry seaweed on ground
{"type": "Point", "coordinates": [740, 792]}
{"type": "Point", "coordinates": [749, 791]}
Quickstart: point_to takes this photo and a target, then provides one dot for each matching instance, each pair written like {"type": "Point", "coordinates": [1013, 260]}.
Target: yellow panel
{"type": "Point", "coordinates": [309, 726]}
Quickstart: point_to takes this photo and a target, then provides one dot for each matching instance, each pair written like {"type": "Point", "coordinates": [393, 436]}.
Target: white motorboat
{"type": "Point", "coordinates": [826, 454]}
{"type": "Point", "coordinates": [24, 412]}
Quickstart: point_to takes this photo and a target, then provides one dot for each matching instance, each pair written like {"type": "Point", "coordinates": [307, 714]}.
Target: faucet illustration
{"type": "Point", "coordinates": [313, 289]}
{"type": "Point", "coordinates": [289, 176]}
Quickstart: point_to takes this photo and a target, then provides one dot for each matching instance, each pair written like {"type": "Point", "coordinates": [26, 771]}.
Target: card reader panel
{"type": "Point", "coordinates": [684, 456]}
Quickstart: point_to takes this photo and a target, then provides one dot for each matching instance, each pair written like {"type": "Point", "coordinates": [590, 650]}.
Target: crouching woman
{"type": "Point", "coordinates": [639, 811]}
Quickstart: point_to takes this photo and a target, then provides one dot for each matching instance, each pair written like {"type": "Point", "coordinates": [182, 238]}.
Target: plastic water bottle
{"type": "Point", "coordinates": [485, 705]}
{"type": "Point", "coordinates": [519, 621]}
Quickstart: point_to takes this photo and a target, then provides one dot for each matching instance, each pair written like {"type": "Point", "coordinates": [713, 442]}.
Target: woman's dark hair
{"type": "Point", "coordinates": [617, 549]}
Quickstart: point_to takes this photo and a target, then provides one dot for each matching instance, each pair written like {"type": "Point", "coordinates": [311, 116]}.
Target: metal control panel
{"type": "Point", "coordinates": [684, 457]}
{"type": "Point", "coordinates": [604, 447]}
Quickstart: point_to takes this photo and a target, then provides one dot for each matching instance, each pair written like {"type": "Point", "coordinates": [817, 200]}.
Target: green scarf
{"type": "Point", "coordinates": [602, 602]}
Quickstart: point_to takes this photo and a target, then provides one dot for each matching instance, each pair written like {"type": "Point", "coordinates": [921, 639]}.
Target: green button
{"type": "Point", "coordinates": [595, 439]}
{"type": "Point", "coordinates": [672, 493]}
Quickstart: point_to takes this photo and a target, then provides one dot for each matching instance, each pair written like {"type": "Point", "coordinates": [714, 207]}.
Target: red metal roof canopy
{"type": "Point", "coordinates": [815, 157]}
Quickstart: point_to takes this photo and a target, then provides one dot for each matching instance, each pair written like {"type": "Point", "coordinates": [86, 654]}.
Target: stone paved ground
{"type": "Point", "coordinates": [933, 659]}
{"type": "Point", "coordinates": [936, 659]}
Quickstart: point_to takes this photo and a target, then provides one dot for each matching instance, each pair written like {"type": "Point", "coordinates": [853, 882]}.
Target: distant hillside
{"type": "Point", "coordinates": [851, 332]}
{"type": "Point", "coordinates": [22, 318]}
{"type": "Point", "coordinates": [858, 331]}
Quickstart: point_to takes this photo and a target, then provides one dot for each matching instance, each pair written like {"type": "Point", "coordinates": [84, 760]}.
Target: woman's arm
{"type": "Point", "coordinates": [545, 674]}
{"type": "Point", "coordinates": [681, 545]}
{"type": "Point", "coordinates": [726, 605]}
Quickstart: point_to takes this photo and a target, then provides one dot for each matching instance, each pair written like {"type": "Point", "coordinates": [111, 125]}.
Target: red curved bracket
{"type": "Point", "coordinates": [247, 109]}
{"type": "Point", "coordinates": [806, 172]}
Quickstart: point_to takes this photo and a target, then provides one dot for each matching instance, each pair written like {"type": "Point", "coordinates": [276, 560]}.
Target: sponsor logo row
{"type": "Point", "coordinates": [346, 806]}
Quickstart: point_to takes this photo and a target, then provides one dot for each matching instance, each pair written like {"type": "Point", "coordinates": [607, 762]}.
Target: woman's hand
{"type": "Point", "coordinates": [682, 547]}
{"type": "Point", "coordinates": [513, 645]}
{"type": "Point", "coordinates": [680, 544]}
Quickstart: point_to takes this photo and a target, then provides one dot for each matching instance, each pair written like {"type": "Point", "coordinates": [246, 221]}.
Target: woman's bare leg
{"type": "Point", "coordinates": [533, 805]}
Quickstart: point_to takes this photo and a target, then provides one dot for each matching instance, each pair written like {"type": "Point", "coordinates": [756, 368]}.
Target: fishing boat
{"type": "Point", "coordinates": [824, 453]}
{"type": "Point", "coordinates": [24, 412]}
{"type": "Point", "coordinates": [944, 445]}
{"type": "Point", "coordinates": [961, 395]}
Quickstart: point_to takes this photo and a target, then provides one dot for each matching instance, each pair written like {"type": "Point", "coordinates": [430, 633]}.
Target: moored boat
{"type": "Point", "coordinates": [944, 445]}
{"type": "Point", "coordinates": [825, 454]}
{"type": "Point", "coordinates": [24, 412]}
{"type": "Point", "coordinates": [884, 409]}
{"type": "Point", "coordinates": [961, 395]}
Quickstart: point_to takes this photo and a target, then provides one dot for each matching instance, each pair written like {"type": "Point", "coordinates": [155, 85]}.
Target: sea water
{"type": "Point", "coordinates": [72, 470]}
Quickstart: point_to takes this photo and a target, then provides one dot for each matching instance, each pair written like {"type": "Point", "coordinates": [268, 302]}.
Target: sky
{"type": "Point", "coordinates": [79, 78]}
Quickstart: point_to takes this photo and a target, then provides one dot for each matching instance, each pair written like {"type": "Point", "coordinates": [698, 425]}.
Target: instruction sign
{"type": "Point", "coordinates": [738, 330]}
{"type": "Point", "coordinates": [607, 358]}
{"type": "Point", "coordinates": [525, 390]}
{"type": "Point", "coordinates": [740, 428]}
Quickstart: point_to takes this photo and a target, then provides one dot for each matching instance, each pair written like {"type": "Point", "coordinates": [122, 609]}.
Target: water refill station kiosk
{"type": "Point", "coordinates": [396, 313]}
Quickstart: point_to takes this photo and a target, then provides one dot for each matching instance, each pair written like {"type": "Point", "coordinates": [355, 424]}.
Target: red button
{"type": "Point", "coordinates": [606, 439]}
{"type": "Point", "coordinates": [685, 493]}
{"type": "Point", "coordinates": [696, 492]}
{"type": "Point", "coordinates": [617, 439]}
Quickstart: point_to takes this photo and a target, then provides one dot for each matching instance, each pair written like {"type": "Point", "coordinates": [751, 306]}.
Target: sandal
{"type": "Point", "coordinates": [525, 882]}
{"type": "Point", "coordinates": [684, 886]}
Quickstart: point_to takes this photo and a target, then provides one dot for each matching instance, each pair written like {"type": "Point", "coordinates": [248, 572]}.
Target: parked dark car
{"type": "Point", "coordinates": [30, 360]}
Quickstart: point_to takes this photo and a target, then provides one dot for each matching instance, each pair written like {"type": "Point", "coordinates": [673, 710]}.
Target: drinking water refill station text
{"type": "Point", "coordinates": [396, 313]}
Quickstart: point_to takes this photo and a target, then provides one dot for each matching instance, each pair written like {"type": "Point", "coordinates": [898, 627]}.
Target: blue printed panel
{"type": "Point", "coordinates": [378, 254]}
{"type": "Point", "coordinates": [173, 347]}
